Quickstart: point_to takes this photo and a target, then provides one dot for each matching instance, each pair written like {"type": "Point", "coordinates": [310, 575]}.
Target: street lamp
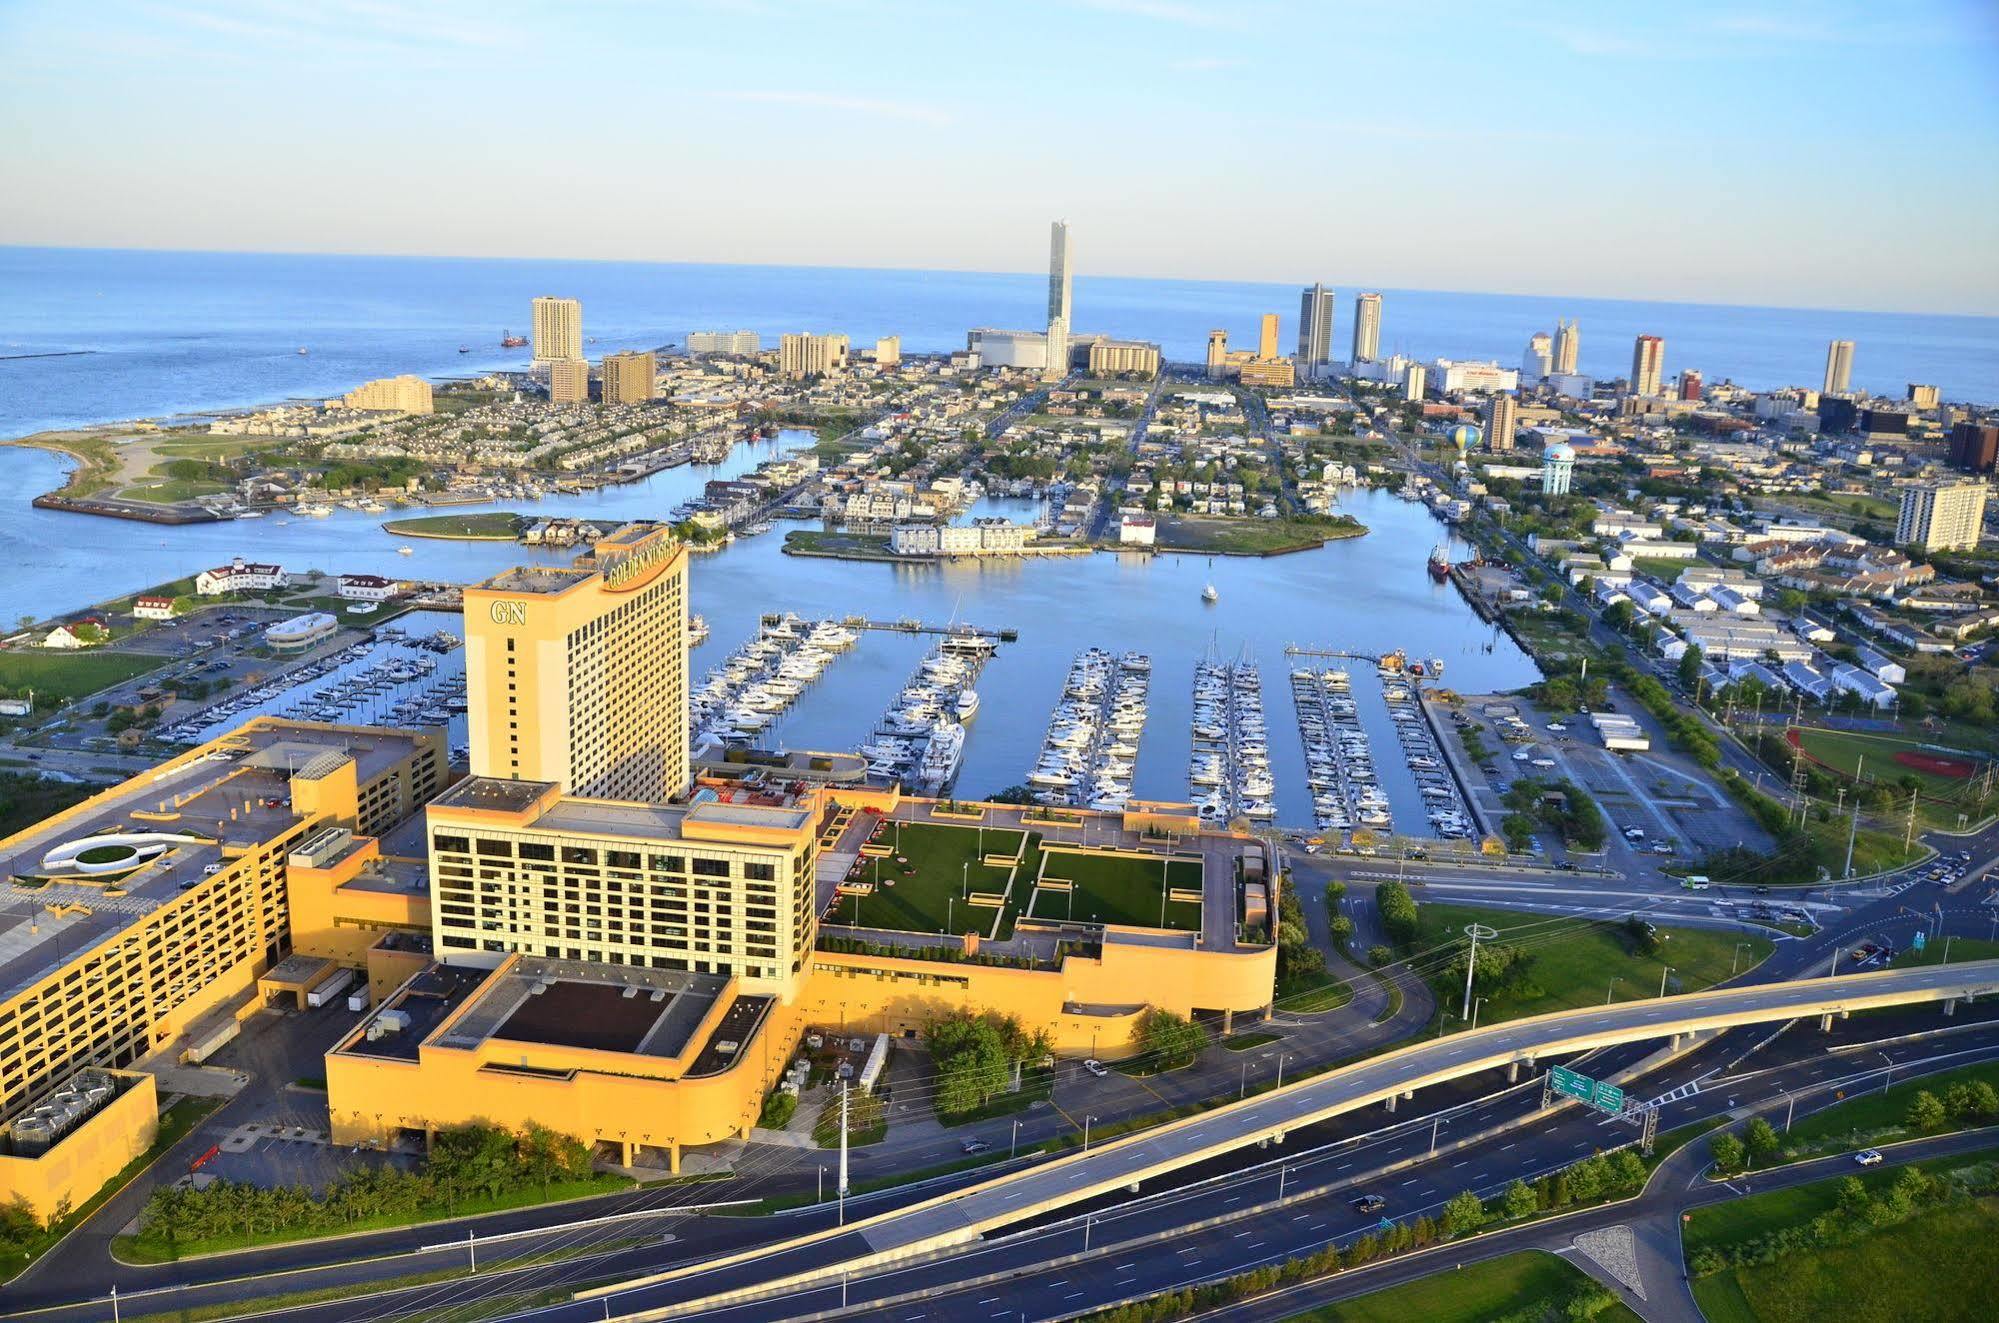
{"type": "Point", "coordinates": [1476, 1003]}
{"type": "Point", "coordinates": [1610, 991]}
{"type": "Point", "coordinates": [1735, 957]}
{"type": "Point", "coordinates": [1662, 979]}
{"type": "Point", "coordinates": [1014, 1142]}
{"type": "Point", "coordinates": [1086, 1131]}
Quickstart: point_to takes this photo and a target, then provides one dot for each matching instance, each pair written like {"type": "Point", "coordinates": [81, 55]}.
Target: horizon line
{"type": "Point", "coordinates": [1034, 273]}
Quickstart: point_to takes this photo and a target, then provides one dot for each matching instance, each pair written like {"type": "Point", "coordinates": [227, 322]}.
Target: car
{"type": "Point", "coordinates": [211, 870]}
{"type": "Point", "coordinates": [1558, 728]}
{"type": "Point", "coordinates": [1868, 1157]}
{"type": "Point", "coordinates": [1095, 1067]}
{"type": "Point", "coordinates": [1763, 890]}
{"type": "Point", "coordinates": [1567, 865]}
{"type": "Point", "coordinates": [1369, 1203]}
{"type": "Point", "coordinates": [975, 1146]}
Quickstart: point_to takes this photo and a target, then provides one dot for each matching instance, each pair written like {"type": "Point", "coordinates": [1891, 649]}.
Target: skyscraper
{"type": "Point", "coordinates": [1266, 340]}
{"type": "Point", "coordinates": [1501, 419]}
{"type": "Point", "coordinates": [1218, 352]}
{"type": "Point", "coordinates": [1366, 328]}
{"type": "Point", "coordinates": [1413, 377]}
{"type": "Point", "coordinates": [1315, 328]}
{"type": "Point", "coordinates": [1539, 360]}
{"type": "Point", "coordinates": [1838, 367]}
{"type": "Point", "coordinates": [568, 381]}
{"type": "Point", "coordinates": [1974, 447]}
{"type": "Point", "coordinates": [1058, 301]}
{"type": "Point", "coordinates": [1568, 345]}
{"type": "Point", "coordinates": [1648, 365]}
{"type": "Point", "coordinates": [558, 329]}
{"type": "Point", "coordinates": [578, 676]}
{"type": "Point", "coordinates": [802, 355]}
{"type": "Point", "coordinates": [628, 378]}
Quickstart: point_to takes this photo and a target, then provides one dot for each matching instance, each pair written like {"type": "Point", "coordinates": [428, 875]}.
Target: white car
{"type": "Point", "coordinates": [1868, 1157]}
{"type": "Point", "coordinates": [1095, 1067]}
{"type": "Point", "coordinates": [1558, 728]}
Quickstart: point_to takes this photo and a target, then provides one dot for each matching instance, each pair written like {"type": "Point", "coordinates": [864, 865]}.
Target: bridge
{"type": "Point", "coordinates": [1106, 1169]}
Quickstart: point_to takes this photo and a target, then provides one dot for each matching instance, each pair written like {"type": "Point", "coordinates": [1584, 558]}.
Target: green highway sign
{"type": "Point", "coordinates": [1603, 1096]}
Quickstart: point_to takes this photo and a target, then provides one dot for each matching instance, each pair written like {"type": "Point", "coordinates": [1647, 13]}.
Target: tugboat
{"type": "Point", "coordinates": [1440, 563]}
{"type": "Point", "coordinates": [508, 340]}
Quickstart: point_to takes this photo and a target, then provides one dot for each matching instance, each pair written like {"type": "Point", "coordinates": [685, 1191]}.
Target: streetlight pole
{"type": "Point", "coordinates": [1086, 1131]}
{"type": "Point", "coordinates": [1662, 979]}
{"type": "Point", "coordinates": [1476, 1003]}
{"type": "Point", "coordinates": [1735, 957]}
{"type": "Point", "coordinates": [1610, 992]}
{"type": "Point", "coordinates": [1790, 1105]}
{"type": "Point", "coordinates": [1014, 1142]}
{"type": "Point", "coordinates": [1281, 1059]}
{"type": "Point", "coordinates": [1282, 1171]}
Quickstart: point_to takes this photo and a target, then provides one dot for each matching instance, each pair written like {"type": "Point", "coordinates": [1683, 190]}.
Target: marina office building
{"type": "Point", "coordinates": [580, 932]}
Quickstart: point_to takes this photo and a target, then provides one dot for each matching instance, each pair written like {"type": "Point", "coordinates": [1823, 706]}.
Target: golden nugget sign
{"type": "Point", "coordinates": [509, 613]}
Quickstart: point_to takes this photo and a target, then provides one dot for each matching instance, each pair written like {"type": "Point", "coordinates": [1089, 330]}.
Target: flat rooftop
{"type": "Point", "coordinates": [777, 807]}
{"type": "Point", "coordinates": [427, 1001]}
{"type": "Point", "coordinates": [535, 579]}
{"type": "Point", "coordinates": [238, 793]}
{"type": "Point", "coordinates": [608, 1008]}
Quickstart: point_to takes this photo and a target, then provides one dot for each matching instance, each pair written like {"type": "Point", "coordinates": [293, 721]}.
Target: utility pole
{"type": "Point", "coordinates": [843, 1159]}
{"type": "Point", "coordinates": [1475, 931]}
{"type": "Point", "coordinates": [1909, 834]}
{"type": "Point", "coordinates": [1853, 829]}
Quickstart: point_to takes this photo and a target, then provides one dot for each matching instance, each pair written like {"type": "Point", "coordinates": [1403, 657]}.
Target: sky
{"type": "Point", "coordinates": [1827, 154]}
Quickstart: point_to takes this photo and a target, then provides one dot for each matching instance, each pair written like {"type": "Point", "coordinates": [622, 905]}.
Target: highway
{"type": "Point", "coordinates": [1127, 1162]}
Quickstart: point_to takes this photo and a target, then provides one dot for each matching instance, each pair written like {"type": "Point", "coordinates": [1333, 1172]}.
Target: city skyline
{"type": "Point", "coordinates": [1766, 250]}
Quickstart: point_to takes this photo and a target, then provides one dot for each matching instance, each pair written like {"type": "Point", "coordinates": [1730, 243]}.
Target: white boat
{"type": "Point", "coordinates": [406, 551]}
{"type": "Point", "coordinates": [941, 757]}
{"type": "Point", "coordinates": [1208, 594]}
{"type": "Point", "coordinates": [250, 514]}
{"type": "Point", "coordinates": [968, 704]}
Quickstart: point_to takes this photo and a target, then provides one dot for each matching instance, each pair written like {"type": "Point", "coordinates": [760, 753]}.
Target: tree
{"type": "Point", "coordinates": [1628, 1171]}
{"type": "Point", "coordinates": [1379, 955]}
{"type": "Point", "coordinates": [1690, 667]}
{"type": "Point", "coordinates": [1464, 1213]}
{"type": "Point", "coordinates": [1926, 1111]}
{"type": "Point", "coordinates": [970, 1054]}
{"type": "Point", "coordinates": [1760, 1140]}
{"type": "Point", "coordinates": [1398, 912]}
{"type": "Point", "coordinates": [1170, 1039]}
{"type": "Point", "coordinates": [1342, 930]}
{"type": "Point", "coordinates": [1521, 1201]}
{"type": "Point", "coordinates": [1728, 1153]}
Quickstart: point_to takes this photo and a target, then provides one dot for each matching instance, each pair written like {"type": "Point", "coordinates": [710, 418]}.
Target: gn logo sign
{"type": "Point", "coordinates": [510, 613]}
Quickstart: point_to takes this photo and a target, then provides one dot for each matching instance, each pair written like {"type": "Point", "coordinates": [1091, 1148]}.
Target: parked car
{"type": "Point", "coordinates": [1095, 1067]}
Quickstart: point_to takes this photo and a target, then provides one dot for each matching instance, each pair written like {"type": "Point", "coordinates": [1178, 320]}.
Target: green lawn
{"type": "Point", "coordinates": [492, 526]}
{"type": "Point", "coordinates": [1120, 889]}
{"type": "Point", "coordinates": [170, 491]}
{"type": "Point", "coordinates": [1249, 536]}
{"type": "Point", "coordinates": [942, 863]}
{"type": "Point", "coordinates": [1244, 1042]}
{"type": "Point", "coordinates": [1960, 949]}
{"type": "Point", "coordinates": [1497, 1288]}
{"type": "Point", "coordinates": [1574, 962]}
{"type": "Point", "coordinates": [62, 676]}
{"type": "Point", "coordinates": [1842, 750]}
{"type": "Point", "coordinates": [1321, 993]}
{"type": "Point", "coordinates": [1936, 1267]}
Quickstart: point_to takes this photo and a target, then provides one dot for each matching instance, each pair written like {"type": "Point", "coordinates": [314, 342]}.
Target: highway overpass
{"type": "Point", "coordinates": [1110, 1167]}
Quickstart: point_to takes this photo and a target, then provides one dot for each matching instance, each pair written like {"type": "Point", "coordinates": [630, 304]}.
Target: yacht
{"type": "Point", "coordinates": [1208, 594]}
{"type": "Point", "coordinates": [968, 704]}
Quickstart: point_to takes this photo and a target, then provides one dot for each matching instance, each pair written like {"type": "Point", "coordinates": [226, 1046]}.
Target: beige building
{"type": "Point", "coordinates": [1367, 328]}
{"type": "Point", "coordinates": [1218, 352]}
{"type": "Point", "coordinates": [404, 394]}
{"type": "Point", "coordinates": [578, 676]}
{"type": "Point", "coordinates": [1109, 357]}
{"type": "Point", "coordinates": [628, 377]}
{"type": "Point", "coordinates": [569, 381]}
{"type": "Point", "coordinates": [558, 329]}
{"type": "Point", "coordinates": [888, 351]}
{"type": "Point", "coordinates": [1568, 347]}
{"type": "Point", "coordinates": [1942, 516]}
{"type": "Point", "coordinates": [1502, 416]}
{"type": "Point", "coordinates": [1648, 365]}
{"type": "Point", "coordinates": [1266, 339]}
{"type": "Point", "coordinates": [801, 356]}
{"type": "Point", "coordinates": [1267, 372]}
{"type": "Point", "coordinates": [1838, 368]}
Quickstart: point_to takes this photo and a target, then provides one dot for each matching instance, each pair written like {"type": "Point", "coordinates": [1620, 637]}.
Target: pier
{"type": "Point", "coordinates": [964, 632]}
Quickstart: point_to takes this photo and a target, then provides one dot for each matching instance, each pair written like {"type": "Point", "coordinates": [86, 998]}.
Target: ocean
{"type": "Point", "coordinates": [91, 336]}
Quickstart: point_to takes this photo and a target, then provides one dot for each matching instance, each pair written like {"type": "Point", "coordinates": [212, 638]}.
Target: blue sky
{"type": "Point", "coordinates": [1833, 154]}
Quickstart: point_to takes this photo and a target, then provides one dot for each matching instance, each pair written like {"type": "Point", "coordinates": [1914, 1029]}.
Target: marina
{"type": "Point", "coordinates": [1443, 806]}
{"type": "Point", "coordinates": [1229, 769]}
{"type": "Point", "coordinates": [920, 740]}
{"type": "Point", "coordinates": [1339, 759]}
{"type": "Point", "coordinates": [1090, 751]}
{"type": "Point", "coordinates": [741, 699]}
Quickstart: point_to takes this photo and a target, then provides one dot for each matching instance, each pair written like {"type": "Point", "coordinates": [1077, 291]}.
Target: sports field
{"type": "Point", "coordinates": [921, 886]}
{"type": "Point", "coordinates": [1944, 773]}
{"type": "Point", "coordinates": [1119, 889]}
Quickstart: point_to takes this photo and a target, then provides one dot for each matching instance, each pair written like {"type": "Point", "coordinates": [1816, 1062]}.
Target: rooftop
{"type": "Point", "coordinates": [607, 1008]}
{"type": "Point", "coordinates": [535, 579]}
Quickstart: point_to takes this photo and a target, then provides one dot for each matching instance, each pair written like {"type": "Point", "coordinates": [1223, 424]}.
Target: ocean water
{"type": "Point", "coordinates": [91, 336]}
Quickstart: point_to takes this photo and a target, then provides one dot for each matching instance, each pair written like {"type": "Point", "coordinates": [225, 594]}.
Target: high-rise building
{"type": "Point", "coordinates": [404, 394]}
{"type": "Point", "coordinates": [628, 377]}
{"type": "Point", "coordinates": [1923, 397]}
{"type": "Point", "coordinates": [801, 356]}
{"type": "Point", "coordinates": [1413, 377]}
{"type": "Point", "coordinates": [1315, 328]}
{"type": "Point", "coordinates": [1539, 359]}
{"type": "Point", "coordinates": [888, 351]}
{"type": "Point", "coordinates": [1115, 357]}
{"type": "Point", "coordinates": [1941, 516]}
{"type": "Point", "coordinates": [1648, 365]}
{"type": "Point", "coordinates": [558, 329]}
{"type": "Point", "coordinates": [1558, 466]}
{"type": "Point", "coordinates": [1974, 447]}
{"type": "Point", "coordinates": [724, 342]}
{"type": "Point", "coordinates": [568, 380]}
{"type": "Point", "coordinates": [578, 676]}
{"type": "Point", "coordinates": [1367, 328]}
{"type": "Point", "coordinates": [1058, 301]}
{"type": "Point", "coordinates": [1838, 368]}
{"type": "Point", "coordinates": [1690, 384]}
{"type": "Point", "coordinates": [1266, 339]}
{"type": "Point", "coordinates": [1218, 352]}
{"type": "Point", "coordinates": [1568, 346]}
{"type": "Point", "coordinates": [1267, 372]}
{"type": "Point", "coordinates": [1502, 415]}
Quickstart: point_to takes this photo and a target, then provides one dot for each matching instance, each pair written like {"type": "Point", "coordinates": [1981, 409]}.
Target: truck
{"type": "Point", "coordinates": [1695, 882]}
{"type": "Point", "coordinates": [329, 987]}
